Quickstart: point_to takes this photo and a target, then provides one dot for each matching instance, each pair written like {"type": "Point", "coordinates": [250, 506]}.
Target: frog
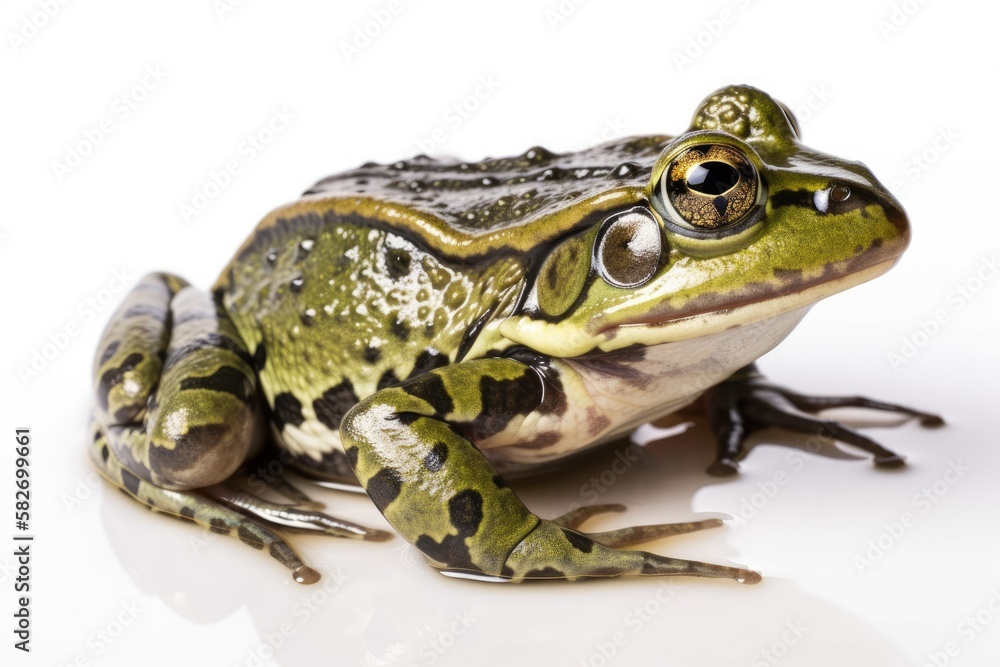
{"type": "Point", "coordinates": [422, 330]}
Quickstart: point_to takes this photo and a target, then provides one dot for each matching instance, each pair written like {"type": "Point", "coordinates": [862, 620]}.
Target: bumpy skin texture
{"type": "Point", "coordinates": [414, 327]}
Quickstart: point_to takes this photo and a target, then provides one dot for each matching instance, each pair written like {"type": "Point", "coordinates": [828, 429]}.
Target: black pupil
{"type": "Point", "coordinates": [713, 178]}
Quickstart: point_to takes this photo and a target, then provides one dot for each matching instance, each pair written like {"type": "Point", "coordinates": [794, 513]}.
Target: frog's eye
{"type": "Point", "coordinates": [629, 248]}
{"type": "Point", "coordinates": [710, 187]}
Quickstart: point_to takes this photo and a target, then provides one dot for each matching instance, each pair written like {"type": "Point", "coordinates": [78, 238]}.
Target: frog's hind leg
{"type": "Point", "coordinates": [198, 508]}
{"type": "Point", "coordinates": [178, 411]}
{"type": "Point", "coordinates": [409, 449]}
{"type": "Point", "coordinates": [746, 403]}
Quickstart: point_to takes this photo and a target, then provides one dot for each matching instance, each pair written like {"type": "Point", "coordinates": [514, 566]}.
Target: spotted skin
{"type": "Point", "coordinates": [421, 327]}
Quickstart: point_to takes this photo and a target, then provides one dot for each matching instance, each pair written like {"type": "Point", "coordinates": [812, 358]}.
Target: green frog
{"type": "Point", "coordinates": [420, 329]}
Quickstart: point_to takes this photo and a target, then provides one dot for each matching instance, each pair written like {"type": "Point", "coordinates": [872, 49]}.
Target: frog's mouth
{"type": "Point", "coordinates": [711, 314]}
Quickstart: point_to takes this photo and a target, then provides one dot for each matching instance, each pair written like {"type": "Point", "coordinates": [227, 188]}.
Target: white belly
{"type": "Point", "coordinates": [612, 394]}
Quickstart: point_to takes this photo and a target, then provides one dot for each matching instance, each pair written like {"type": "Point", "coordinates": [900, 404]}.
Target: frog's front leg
{"type": "Point", "coordinates": [178, 413]}
{"type": "Point", "coordinates": [746, 403]}
{"type": "Point", "coordinates": [412, 448]}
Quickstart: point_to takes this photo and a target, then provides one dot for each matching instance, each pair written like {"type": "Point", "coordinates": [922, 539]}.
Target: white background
{"type": "Point", "coordinates": [113, 584]}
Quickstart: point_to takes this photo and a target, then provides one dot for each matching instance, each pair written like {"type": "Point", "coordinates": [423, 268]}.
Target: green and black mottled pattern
{"type": "Point", "coordinates": [496, 193]}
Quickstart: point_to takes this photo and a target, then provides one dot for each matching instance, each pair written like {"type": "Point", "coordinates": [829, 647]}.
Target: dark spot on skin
{"type": "Point", "coordinates": [146, 310]}
{"type": "Point", "coordinates": [187, 511]}
{"type": "Point", "coordinates": [434, 461]}
{"type": "Point", "coordinates": [372, 354]}
{"type": "Point", "coordinates": [428, 360]}
{"type": "Point", "coordinates": [195, 451]}
{"type": "Point", "coordinates": [384, 487]}
{"type": "Point", "coordinates": [192, 314]}
{"type": "Point", "coordinates": [507, 399]}
{"type": "Point", "coordinates": [227, 380]}
{"type": "Point", "coordinates": [307, 319]}
{"type": "Point", "coordinates": [541, 440]}
{"type": "Point", "coordinates": [212, 340]}
{"type": "Point", "coordinates": [352, 456]}
{"type": "Point", "coordinates": [287, 410]}
{"type": "Point", "coordinates": [400, 329]}
{"type": "Point", "coordinates": [465, 510]}
{"type": "Point", "coordinates": [388, 379]}
{"type": "Point", "coordinates": [296, 284]}
{"type": "Point", "coordinates": [260, 357]}
{"type": "Point", "coordinates": [597, 421]}
{"type": "Point", "coordinates": [499, 482]}
{"type": "Point", "coordinates": [105, 453]}
{"type": "Point", "coordinates": [545, 573]}
{"type": "Point", "coordinates": [219, 526]}
{"type": "Point", "coordinates": [248, 537]}
{"type": "Point", "coordinates": [430, 387]}
{"type": "Point", "coordinates": [109, 352]}
{"type": "Point", "coordinates": [649, 568]}
{"type": "Point", "coordinates": [131, 482]}
{"type": "Point", "coordinates": [114, 376]}
{"type": "Point", "coordinates": [331, 407]}
{"type": "Point", "coordinates": [397, 262]}
{"type": "Point", "coordinates": [452, 551]}
{"type": "Point", "coordinates": [580, 542]}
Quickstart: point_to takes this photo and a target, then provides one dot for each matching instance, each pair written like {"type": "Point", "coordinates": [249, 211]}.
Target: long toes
{"type": "Point", "coordinates": [287, 517]}
{"type": "Point", "coordinates": [576, 517]}
{"type": "Point", "coordinates": [890, 461]}
{"type": "Point", "coordinates": [551, 551]}
{"type": "Point", "coordinates": [638, 534]}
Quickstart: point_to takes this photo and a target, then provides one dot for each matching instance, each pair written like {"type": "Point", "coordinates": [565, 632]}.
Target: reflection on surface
{"type": "Point", "coordinates": [380, 604]}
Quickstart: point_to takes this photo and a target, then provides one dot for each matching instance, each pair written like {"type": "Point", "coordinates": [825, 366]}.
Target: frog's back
{"type": "Point", "coordinates": [385, 272]}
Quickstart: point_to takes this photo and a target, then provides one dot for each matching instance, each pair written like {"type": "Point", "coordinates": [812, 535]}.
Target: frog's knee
{"type": "Point", "coordinates": [204, 442]}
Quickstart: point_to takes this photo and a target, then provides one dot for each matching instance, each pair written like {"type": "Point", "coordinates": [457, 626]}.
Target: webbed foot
{"type": "Point", "coordinates": [746, 403]}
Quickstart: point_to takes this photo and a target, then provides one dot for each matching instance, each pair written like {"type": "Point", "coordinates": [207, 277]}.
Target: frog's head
{"type": "Point", "coordinates": [739, 222]}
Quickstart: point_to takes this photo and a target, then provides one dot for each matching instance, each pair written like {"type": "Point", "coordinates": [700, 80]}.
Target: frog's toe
{"type": "Point", "coordinates": [632, 535]}
{"type": "Point", "coordinates": [293, 517]}
{"type": "Point", "coordinates": [623, 537]}
{"type": "Point", "coordinates": [746, 403]}
{"type": "Point", "coordinates": [554, 552]}
{"type": "Point", "coordinates": [576, 517]}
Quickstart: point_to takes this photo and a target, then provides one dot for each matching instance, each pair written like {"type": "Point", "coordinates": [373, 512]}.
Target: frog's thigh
{"type": "Point", "coordinates": [177, 353]}
{"type": "Point", "coordinates": [410, 450]}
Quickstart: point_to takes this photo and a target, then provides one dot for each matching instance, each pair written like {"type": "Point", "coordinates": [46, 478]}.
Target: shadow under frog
{"type": "Point", "coordinates": [378, 603]}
